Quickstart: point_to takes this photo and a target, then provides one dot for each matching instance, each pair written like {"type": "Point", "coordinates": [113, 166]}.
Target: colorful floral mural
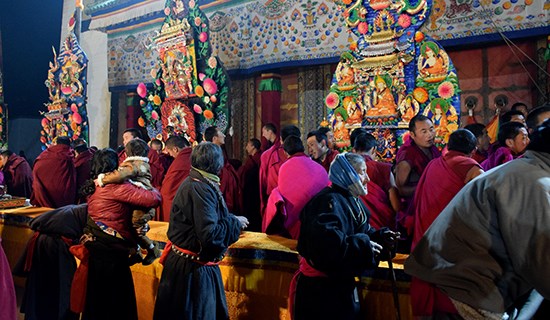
{"type": "Point", "coordinates": [247, 35]}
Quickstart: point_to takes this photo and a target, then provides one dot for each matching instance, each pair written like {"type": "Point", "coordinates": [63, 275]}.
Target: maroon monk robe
{"type": "Point", "coordinates": [331, 154]}
{"type": "Point", "coordinates": [83, 164]}
{"type": "Point", "coordinates": [166, 160]}
{"type": "Point", "coordinates": [178, 171]}
{"type": "Point", "coordinates": [441, 181]}
{"type": "Point", "coordinates": [18, 176]}
{"type": "Point", "coordinates": [157, 170]}
{"type": "Point", "coordinates": [377, 199]}
{"type": "Point", "coordinates": [479, 157]}
{"type": "Point", "coordinates": [229, 186]}
{"type": "Point", "coordinates": [249, 178]}
{"type": "Point", "coordinates": [270, 163]}
{"type": "Point", "coordinates": [54, 178]}
{"type": "Point", "coordinates": [418, 161]}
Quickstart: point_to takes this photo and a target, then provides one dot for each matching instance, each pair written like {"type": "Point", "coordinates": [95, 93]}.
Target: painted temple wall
{"type": "Point", "coordinates": [303, 45]}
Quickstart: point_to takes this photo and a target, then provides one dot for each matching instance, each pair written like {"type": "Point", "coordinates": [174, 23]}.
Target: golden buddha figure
{"type": "Point", "coordinates": [383, 100]}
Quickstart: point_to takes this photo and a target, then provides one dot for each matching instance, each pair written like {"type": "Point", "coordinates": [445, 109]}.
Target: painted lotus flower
{"type": "Point", "coordinates": [197, 109]}
{"type": "Point", "coordinates": [154, 115]}
{"type": "Point", "coordinates": [166, 11]}
{"type": "Point", "coordinates": [153, 73]}
{"type": "Point", "coordinates": [192, 4]}
{"type": "Point", "coordinates": [198, 21]}
{"type": "Point", "coordinates": [206, 99]}
{"type": "Point", "coordinates": [210, 86]}
{"type": "Point", "coordinates": [74, 107]}
{"type": "Point", "coordinates": [157, 100]}
{"type": "Point", "coordinates": [208, 114]}
{"type": "Point", "coordinates": [420, 94]}
{"type": "Point", "coordinates": [332, 100]}
{"type": "Point", "coordinates": [212, 62]}
{"type": "Point", "coordinates": [201, 76]}
{"type": "Point", "coordinates": [446, 90]}
{"type": "Point", "coordinates": [44, 122]}
{"type": "Point", "coordinates": [199, 91]}
{"type": "Point", "coordinates": [404, 21]}
{"type": "Point", "coordinates": [141, 122]}
{"type": "Point", "coordinates": [213, 99]}
{"type": "Point", "coordinates": [141, 90]}
{"type": "Point", "coordinates": [203, 37]}
{"type": "Point", "coordinates": [362, 27]}
{"type": "Point", "coordinates": [157, 82]}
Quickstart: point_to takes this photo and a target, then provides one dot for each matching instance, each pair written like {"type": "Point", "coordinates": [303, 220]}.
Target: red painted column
{"type": "Point", "coordinates": [271, 88]}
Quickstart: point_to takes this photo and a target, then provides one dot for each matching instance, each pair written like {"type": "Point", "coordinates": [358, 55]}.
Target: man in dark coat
{"type": "Point", "coordinates": [54, 176]}
{"type": "Point", "coordinates": [201, 228]}
{"type": "Point", "coordinates": [17, 174]}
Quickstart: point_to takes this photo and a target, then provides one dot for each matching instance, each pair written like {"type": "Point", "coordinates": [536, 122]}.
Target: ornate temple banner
{"type": "Point", "coordinates": [190, 86]}
{"type": "Point", "coordinates": [390, 74]}
{"type": "Point", "coordinates": [66, 113]}
{"type": "Point", "coordinates": [249, 36]}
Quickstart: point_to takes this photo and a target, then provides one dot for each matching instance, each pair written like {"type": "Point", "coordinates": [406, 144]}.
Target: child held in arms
{"type": "Point", "coordinates": [136, 170]}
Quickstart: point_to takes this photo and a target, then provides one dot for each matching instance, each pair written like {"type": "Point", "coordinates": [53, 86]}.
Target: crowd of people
{"type": "Point", "coordinates": [347, 211]}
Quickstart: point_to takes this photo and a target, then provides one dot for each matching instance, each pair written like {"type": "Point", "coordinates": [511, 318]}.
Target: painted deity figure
{"type": "Point", "coordinates": [383, 99]}
{"type": "Point", "coordinates": [341, 133]}
{"type": "Point", "coordinates": [355, 116]}
{"type": "Point", "coordinates": [408, 108]}
{"type": "Point", "coordinates": [433, 63]}
{"type": "Point", "coordinates": [70, 72]}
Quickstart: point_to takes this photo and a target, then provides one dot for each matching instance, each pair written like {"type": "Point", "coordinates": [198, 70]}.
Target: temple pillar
{"type": "Point", "coordinates": [94, 44]}
{"type": "Point", "coordinates": [270, 89]}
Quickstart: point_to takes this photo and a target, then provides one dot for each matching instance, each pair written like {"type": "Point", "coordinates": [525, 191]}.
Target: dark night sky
{"type": "Point", "coordinates": [29, 30]}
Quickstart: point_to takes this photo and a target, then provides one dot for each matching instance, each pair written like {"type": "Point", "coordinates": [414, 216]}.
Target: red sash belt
{"type": "Point", "coordinates": [80, 279]}
{"type": "Point", "coordinates": [307, 270]}
{"type": "Point", "coordinates": [32, 244]}
{"type": "Point", "coordinates": [186, 254]}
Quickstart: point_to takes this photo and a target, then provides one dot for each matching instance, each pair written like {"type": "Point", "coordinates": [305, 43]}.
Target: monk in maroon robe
{"type": "Point", "coordinates": [318, 149]}
{"type": "Point", "coordinates": [249, 178]}
{"type": "Point", "coordinates": [270, 163]}
{"type": "Point", "coordinates": [411, 160]}
{"type": "Point", "coordinates": [178, 148]}
{"type": "Point", "coordinates": [483, 141]}
{"type": "Point", "coordinates": [229, 185]}
{"type": "Point", "coordinates": [54, 176]}
{"type": "Point", "coordinates": [17, 174]}
{"type": "Point", "coordinates": [157, 169]}
{"type": "Point", "coordinates": [82, 164]}
{"type": "Point", "coordinates": [441, 181]}
{"type": "Point", "coordinates": [380, 185]}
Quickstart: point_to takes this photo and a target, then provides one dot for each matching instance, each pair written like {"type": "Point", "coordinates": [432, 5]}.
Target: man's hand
{"type": "Point", "coordinates": [376, 248]}
{"type": "Point", "coordinates": [243, 220]}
